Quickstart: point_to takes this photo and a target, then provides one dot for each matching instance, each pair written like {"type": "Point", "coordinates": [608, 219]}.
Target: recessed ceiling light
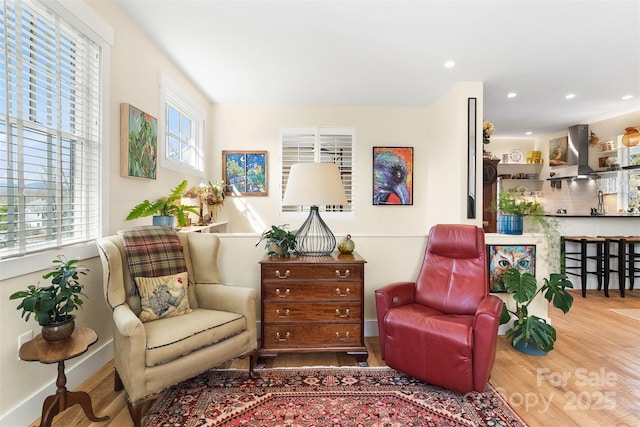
{"type": "Point", "coordinates": [570, 96]}
{"type": "Point", "coordinates": [449, 64]}
{"type": "Point", "coordinates": [528, 133]}
{"type": "Point", "coordinates": [627, 97]}
{"type": "Point", "coordinates": [512, 95]}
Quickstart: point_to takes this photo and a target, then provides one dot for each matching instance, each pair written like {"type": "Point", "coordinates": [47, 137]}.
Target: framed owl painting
{"type": "Point", "coordinates": [501, 258]}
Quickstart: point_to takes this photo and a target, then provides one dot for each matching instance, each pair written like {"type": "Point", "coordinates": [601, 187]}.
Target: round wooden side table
{"type": "Point", "coordinates": [51, 352]}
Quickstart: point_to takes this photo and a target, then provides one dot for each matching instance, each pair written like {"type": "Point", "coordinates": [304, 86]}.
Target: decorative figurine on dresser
{"type": "Point", "coordinates": [313, 303]}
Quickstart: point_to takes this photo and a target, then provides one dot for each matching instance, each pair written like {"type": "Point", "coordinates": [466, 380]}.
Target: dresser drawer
{"type": "Point", "coordinates": [292, 272]}
{"type": "Point", "coordinates": [311, 336]}
{"type": "Point", "coordinates": [311, 312]}
{"type": "Point", "coordinates": [311, 292]}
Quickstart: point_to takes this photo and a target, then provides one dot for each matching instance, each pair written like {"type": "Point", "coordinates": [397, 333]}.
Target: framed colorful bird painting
{"type": "Point", "coordinates": [393, 175]}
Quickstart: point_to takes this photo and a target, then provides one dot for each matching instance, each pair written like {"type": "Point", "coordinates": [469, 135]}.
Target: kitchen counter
{"type": "Point", "coordinates": [628, 215]}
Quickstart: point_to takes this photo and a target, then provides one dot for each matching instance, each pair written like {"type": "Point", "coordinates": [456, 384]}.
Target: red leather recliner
{"type": "Point", "coordinates": [443, 328]}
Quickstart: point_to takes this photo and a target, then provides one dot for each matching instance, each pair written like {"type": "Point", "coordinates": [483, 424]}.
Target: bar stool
{"type": "Point", "coordinates": [620, 255]}
{"type": "Point", "coordinates": [627, 259]}
{"type": "Point", "coordinates": [632, 257]}
{"type": "Point", "coordinates": [582, 257]}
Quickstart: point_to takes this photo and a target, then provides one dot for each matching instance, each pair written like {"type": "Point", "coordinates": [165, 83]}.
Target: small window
{"type": "Point", "coordinates": [183, 131]}
{"type": "Point", "coordinates": [322, 145]}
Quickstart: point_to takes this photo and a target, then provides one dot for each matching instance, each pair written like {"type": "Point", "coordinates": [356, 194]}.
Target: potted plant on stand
{"type": "Point", "coordinates": [529, 333]}
{"type": "Point", "coordinates": [279, 242]}
{"type": "Point", "coordinates": [51, 305]}
{"type": "Point", "coordinates": [165, 209]}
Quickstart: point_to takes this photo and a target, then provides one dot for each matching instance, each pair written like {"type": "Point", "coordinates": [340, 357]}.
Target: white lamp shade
{"type": "Point", "coordinates": [314, 184]}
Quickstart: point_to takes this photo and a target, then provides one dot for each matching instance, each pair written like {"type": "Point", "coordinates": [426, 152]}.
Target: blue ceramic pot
{"type": "Point", "coordinates": [167, 221]}
{"type": "Point", "coordinates": [529, 348]}
{"type": "Point", "coordinates": [510, 224]}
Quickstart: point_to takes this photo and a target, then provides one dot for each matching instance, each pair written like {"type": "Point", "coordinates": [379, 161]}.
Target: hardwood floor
{"type": "Point", "coordinates": [591, 378]}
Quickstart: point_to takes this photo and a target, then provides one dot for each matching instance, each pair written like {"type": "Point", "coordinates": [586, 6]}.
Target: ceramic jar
{"type": "Point", "coordinates": [631, 137]}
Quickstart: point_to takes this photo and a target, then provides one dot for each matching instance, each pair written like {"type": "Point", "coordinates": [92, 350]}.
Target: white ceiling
{"type": "Point", "coordinates": [392, 53]}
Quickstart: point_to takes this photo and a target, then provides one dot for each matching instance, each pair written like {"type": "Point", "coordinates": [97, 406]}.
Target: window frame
{"type": "Point", "coordinates": [318, 133]}
{"type": "Point", "coordinates": [84, 19]}
{"type": "Point", "coordinates": [174, 96]}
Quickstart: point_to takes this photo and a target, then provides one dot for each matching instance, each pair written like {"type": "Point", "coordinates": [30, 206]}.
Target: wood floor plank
{"type": "Point", "coordinates": [591, 378]}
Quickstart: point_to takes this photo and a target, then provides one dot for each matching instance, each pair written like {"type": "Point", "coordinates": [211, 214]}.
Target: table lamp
{"type": "Point", "coordinates": [314, 184]}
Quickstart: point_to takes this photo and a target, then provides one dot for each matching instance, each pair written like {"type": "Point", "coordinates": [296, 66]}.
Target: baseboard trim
{"type": "Point", "coordinates": [24, 413]}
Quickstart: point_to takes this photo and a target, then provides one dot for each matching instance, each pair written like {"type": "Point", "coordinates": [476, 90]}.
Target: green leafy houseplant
{"type": "Point", "coordinates": [53, 303]}
{"type": "Point", "coordinates": [279, 241]}
{"type": "Point", "coordinates": [165, 206]}
{"type": "Point", "coordinates": [515, 203]}
{"type": "Point", "coordinates": [528, 328]}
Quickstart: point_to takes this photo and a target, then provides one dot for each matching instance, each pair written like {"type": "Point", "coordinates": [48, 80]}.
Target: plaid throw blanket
{"type": "Point", "coordinates": [152, 252]}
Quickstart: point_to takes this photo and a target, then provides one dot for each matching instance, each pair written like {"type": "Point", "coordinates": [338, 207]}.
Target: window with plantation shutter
{"type": "Point", "coordinates": [50, 105]}
{"type": "Point", "coordinates": [323, 145]}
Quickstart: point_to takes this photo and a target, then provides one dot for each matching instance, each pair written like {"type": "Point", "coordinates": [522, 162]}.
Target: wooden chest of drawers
{"type": "Point", "coordinates": [313, 304]}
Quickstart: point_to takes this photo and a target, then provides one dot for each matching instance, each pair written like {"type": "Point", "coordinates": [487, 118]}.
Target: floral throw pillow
{"type": "Point", "coordinates": [164, 296]}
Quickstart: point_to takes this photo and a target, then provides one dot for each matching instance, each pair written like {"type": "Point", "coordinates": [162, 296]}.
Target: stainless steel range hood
{"type": "Point", "coordinates": [576, 165]}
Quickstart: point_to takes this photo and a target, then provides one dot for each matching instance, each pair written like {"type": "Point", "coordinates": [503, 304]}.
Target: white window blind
{"type": "Point", "coordinates": [323, 145]}
{"type": "Point", "coordinates": [49, 131]}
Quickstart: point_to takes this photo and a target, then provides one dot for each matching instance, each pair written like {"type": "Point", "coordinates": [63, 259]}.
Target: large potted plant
{"type": "Point", "coordinates": [53, 304]}
{"type": "Point", "coordinates": [529, 333]}
{"type": "Point", "coordinates": [279, 241]}
{"type": "Point", "coordinates": [165, 209]}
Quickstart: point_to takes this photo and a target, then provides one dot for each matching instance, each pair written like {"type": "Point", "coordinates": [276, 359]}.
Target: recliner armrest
{"type": "Point", "coordinates": [388, 297]}
{"type": "Point", "coordinates": [490, 305]}
{"type": "Point", "coordinates": [395, 294]}
{"type": "Point", "coordinates": [485, 336]}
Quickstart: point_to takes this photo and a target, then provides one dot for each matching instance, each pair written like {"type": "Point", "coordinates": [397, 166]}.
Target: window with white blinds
{"type": "Point", "coordinates": [49, 131]}
{"type": "Point", "coordinates": [322, 145]}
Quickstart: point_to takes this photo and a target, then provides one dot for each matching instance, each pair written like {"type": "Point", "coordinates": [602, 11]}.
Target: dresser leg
{"type": "Point", "coordinates": [361, 357]}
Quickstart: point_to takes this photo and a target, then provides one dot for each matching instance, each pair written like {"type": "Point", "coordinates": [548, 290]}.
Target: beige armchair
{"type": "Point", "coordinates": [150, 356]}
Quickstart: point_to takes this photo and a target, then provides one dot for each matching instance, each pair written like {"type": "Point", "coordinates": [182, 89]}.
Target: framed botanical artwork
{"type": "Point", "coordinates": [245, 173]}
{"type": "Point", "coordinates": [500, 258]}
{"type": "Point", "coordinates": [138, 143]}
{"type": "Point", "coordinates": [393, 175]}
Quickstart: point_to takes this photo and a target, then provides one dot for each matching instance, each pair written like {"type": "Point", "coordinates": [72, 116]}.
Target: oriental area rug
{"type": "Point", "coordinates": [336, 397]}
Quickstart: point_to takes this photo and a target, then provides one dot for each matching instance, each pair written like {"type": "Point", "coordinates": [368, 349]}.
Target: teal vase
{"type": "Point", "coordinates": [510, 224]}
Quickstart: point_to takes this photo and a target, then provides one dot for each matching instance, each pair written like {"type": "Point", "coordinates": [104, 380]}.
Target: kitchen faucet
{"type": "Point", "coordinates": [600, 203]}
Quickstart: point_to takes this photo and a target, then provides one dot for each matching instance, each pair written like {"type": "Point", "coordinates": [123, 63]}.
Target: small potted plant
{"type": "Point", "coordinates": [51, 305]}
{"type": "Point", "coordinates": [279, 241]}
{"type": "Point", "coordinates": [165, 209]}
{"type": "Point", "coordinates": [511, 207]}
{"type": "Point", "coordinates": [529, 333]}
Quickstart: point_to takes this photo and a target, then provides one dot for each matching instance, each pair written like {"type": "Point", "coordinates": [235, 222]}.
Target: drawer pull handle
{"type": "Point", "coordinates": [346, 274]}
{"type": "Point", "coordinates": [286, 313]}
{"type": "Point", "coordinates": [340, 293]}
{"type": "Point", "coordinates": [339, 338]}
{"type": "Point", "coordinates": [286, 336]}
{"type": "Point", "coordinates": [286, 274]}
{"type": "Point", "coordinates": [283, 295]}
{"type": "Point", "coordinates": [343, 315]}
